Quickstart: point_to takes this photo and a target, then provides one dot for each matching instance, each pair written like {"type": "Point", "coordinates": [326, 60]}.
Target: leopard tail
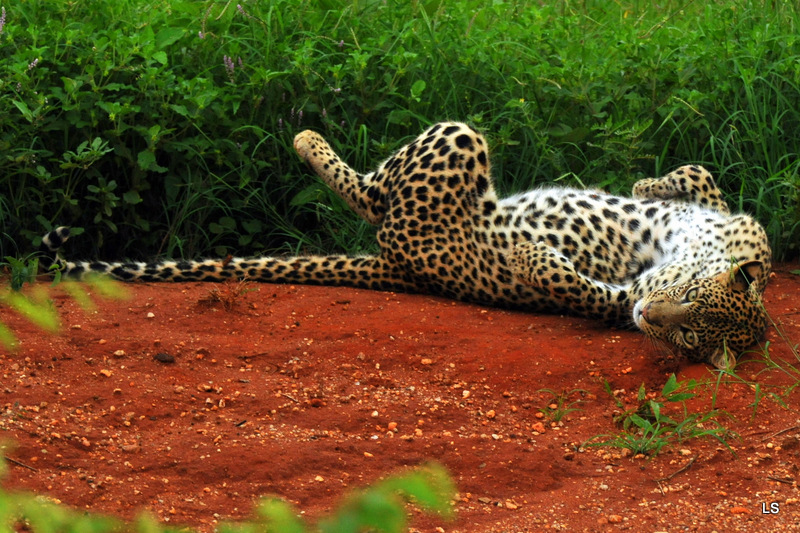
{"type": "Point", "coordinates": [367, 272]}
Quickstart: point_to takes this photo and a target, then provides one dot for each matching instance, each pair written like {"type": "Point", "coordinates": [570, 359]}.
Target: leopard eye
{"type": "Point", "coordinates": [689, 337]}
{"type": "Point", "coordinates": [691, 295]}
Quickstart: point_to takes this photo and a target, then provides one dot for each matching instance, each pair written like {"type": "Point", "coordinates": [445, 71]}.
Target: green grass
{"type": "Point", "coordinates": [165, 127]}
{"type": "Point", "coordinates": [648, 427]}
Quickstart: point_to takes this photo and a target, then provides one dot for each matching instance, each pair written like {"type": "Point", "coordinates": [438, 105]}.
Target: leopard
{"type": "Point", "coordinates": [670, 260]}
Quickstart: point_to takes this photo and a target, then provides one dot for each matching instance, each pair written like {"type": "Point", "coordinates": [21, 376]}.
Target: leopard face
{"type": "Point", "coordinates": [710, 320]}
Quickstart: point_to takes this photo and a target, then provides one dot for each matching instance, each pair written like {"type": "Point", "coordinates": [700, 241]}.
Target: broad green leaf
{"type": "Point", "coordinates": [168, 36]}
{"type": "Point", "coordinates": [669, 386]}
{"type": "Point", "coordinates": [24, 109]}
{"type": "Point", "coordinates": [161, 57]}
{"type": "Point", "coordinates": [40, 314]}
{"type": "Point", "coordinates": [132, 197]}
{"type": "Point", "coordinates": [641, 422]}
{"type": "Point", "coordinates": [147, 161]}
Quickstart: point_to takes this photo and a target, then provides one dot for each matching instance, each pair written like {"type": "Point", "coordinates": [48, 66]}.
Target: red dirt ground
{"type": "Point", "coordinates": [308, 393]}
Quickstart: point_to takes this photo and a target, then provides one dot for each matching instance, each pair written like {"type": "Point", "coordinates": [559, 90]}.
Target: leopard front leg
{"type": "Point", "coordinates": [539, 265]}
{"type": "Point", "coordinates": [689, 183]}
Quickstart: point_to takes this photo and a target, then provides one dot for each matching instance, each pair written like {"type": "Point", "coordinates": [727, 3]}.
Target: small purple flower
{"type": "Point", "coordinates": [280, 124]}
{"type": "Point", "coordinates": [341, 43]}
{"type": "Point", "coordinates": [201, 35]}
{"type": "Point", "coordinates": [229, 67]}
{"type": "Point", "coordinates": [299, 117]}
{"type": "Point", "coordinates": [2, 19]}
{"type": "Point", "coordinates": [32, 64]}
{"type": "Point", "coordinates": [324, 113]}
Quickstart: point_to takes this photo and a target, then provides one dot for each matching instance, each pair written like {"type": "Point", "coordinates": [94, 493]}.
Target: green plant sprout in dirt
{"type": "Point", "coordinates": [21, 271]}
{"type": "Point", "coordinates": [560, 404]}
{"type": "Point", "coordinates": [376, 508]}
{"type": "Point", "coordinates": [647, 428]}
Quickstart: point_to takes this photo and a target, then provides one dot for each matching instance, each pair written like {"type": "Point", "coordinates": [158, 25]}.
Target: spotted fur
{"type": "Point", "coordinates": [672, 259]}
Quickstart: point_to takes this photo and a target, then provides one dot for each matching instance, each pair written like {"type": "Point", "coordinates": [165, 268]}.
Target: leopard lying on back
{"type": "Point", "coordinates": [672, 259]}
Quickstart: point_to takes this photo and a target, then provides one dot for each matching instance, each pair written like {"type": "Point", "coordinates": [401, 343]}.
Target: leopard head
{"type": "Point", "coordinates": [710, 320]}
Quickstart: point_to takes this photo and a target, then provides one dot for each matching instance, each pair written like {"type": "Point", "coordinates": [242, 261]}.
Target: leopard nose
{"type": "Point", "coordinates": [651, 314]}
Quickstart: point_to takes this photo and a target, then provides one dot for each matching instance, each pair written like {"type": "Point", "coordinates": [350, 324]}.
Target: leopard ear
{"type": "Point", "coordinates": [722, 359]}
{"type": "Point", "coordinates": [741, 275]}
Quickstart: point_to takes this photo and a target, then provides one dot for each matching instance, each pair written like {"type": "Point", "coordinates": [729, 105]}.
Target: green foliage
{"type": "Point", "coordinates": [166, 126]}
{"type": "Point", "coordinates": [377, 508]}
{"type": "Point", "coordinates": [22, 271]}
{"type": "Point", "coordinates": [647, 428]}
{"type": "Point", "coordinates": [37, 307]}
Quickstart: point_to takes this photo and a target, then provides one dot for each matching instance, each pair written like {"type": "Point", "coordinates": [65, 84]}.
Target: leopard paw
{"type": "Point", "coordinates": [539, 265]}
{"type": "Point", "coordinates": [648, 189]}
{"type": "Point", "coordinates": [311, 146]}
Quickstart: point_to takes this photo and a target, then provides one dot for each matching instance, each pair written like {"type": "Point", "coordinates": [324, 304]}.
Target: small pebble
{"type": "Point", "coordinates": [162, 357]}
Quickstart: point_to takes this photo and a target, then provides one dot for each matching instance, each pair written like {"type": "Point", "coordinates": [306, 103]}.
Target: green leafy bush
{"type": "Point", "coordinates": [376, 508]}
{"type": "Point", "coordinates": [166, 126]}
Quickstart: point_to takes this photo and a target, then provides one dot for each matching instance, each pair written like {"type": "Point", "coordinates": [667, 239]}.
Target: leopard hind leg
{"type": "Point", "coordinates": [365, 193]}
